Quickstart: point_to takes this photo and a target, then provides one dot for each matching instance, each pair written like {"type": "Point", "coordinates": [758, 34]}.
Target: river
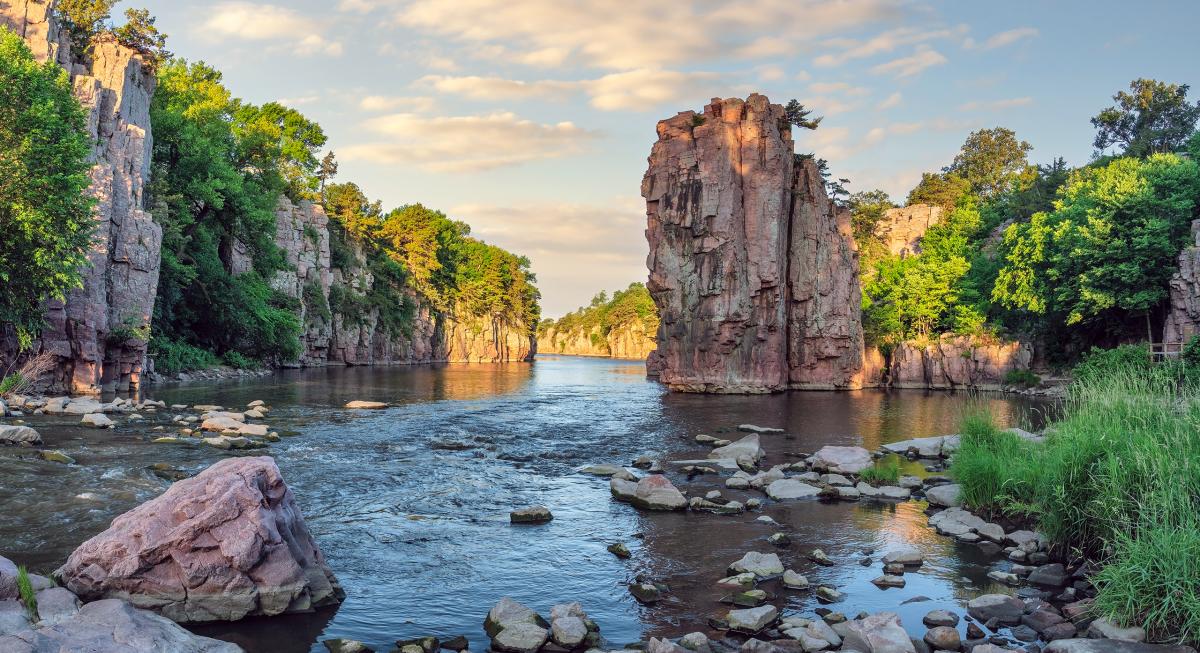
{"type": "Point", "coordinates": [410, 505]}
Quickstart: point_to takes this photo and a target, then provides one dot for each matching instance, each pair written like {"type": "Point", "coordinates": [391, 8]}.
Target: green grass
{"type": "Point", "coordinates": [886, 472]}
{"type": "Point", "coordinates": [1118, 479]}
{"type": "Point", "coordinates": [28, 596]}
{"type": "Point", "coordinates": [1022, 378]}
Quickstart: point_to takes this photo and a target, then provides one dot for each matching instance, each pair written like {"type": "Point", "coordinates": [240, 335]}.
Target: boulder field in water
{"type": "Point", "coordinates": [225, 544]}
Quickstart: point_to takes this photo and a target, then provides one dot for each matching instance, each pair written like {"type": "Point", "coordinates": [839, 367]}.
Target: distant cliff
{"type": "Point", "coordinates": [620, 327]}
{"type": "Point", "coordinates": [752, 267]}
{"type": "Point", "coordinates": [96, 335]}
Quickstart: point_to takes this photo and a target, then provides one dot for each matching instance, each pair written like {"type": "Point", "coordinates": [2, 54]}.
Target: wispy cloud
{"type": "Point", "coordinates": [632, 90]}
{"type": "Point", "coordinates": [883, 43]}
{"type": "Point", "coordinates": [1002, 39]}
{"type": "Point", "coordinates": [995, 105]}
{"type": "Point", "coordinates": [408, 104]}
{"type": "Point", "coordinates": [891, 101]}
{"type": "Point", "coordinates": [924, 57]}
{"type": "Point", "coordinates": [247, 21]}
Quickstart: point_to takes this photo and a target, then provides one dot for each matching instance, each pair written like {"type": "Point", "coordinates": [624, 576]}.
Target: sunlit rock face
{"type": "Point", "coordinates": [97, 333]}
{"type": "Point", "coordinates": [751, 266]}
{"type": "Point", "coordinates": [626, 341]}
{"type": "Point", "coordinates": [948, 362]}
{"type": "Point", "coordinates": [902, 229]}
{"type": "Point", "coordinates": [1183, 321]}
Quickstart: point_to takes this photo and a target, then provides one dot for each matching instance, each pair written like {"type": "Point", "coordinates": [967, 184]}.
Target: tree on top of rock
{"type": "Point", "coordinates": [1154, 118]}
{"type": "Point", "coordinates": [799, 116]}
{"type": "Point", "coordinates": [139, 33]}
{"type": "Point", "coordinates": [84, 19]}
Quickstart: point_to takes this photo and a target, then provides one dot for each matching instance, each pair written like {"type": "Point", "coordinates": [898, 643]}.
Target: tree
{"type": "Point", "coordinates": [1106, 252]}
{"type": "Point", "coordinates": [1155, 117]}
{"type": "Point", "coordinates": [44, 209]}
{"type": "Point", "coordinates": [84, 19]}
{"type": "Point", "coordinates": [799, 116]}
{"type": "Point", "coordinates": [990, 160]}
{"type": "Point", "coordinates": [867, 209]}
{"type": "Point", "coordinates": [327, 170]}
{"type": "Point", "coordinates": [139, 33]}
{"type": "Point", "coordinates": [942, 190]}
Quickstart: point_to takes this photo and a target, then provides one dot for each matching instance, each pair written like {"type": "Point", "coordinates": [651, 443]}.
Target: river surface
{"type": "Point", "coordinates": [410, 504]}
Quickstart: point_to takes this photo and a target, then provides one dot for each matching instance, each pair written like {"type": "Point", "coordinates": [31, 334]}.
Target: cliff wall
{"type": "Point", "coordinates": [949, 362]}
{"type": "Point", "coordinates": [627, 341]}
{"type": "Point", "coordinates": [752, 268]}
{"type": "Point", "coordinates": [901, 229]}
{"type": "Point", "coordinates": [1183, 319]}
{"type": "Point", "coordinates": [98, 333]}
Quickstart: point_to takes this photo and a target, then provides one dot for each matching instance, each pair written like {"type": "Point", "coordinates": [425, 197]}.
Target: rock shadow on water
{"type": "Point", "coordinates": [288, 633]}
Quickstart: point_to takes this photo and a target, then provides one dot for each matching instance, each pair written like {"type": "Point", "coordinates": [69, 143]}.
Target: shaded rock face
{"type": "Point", "coordinates": [225, 544]}
{"type": "Point", "coordinates": [96, 332]}
{"type": "Point", "coordinates": [947, 363]}
{"type": "Point", "coordinates": [628, 341]}
{"type": "Point", "coordinates": [902, 229]}
{"type": "Point", "coordinates": [1183, 321]}
{"type": "Point", "coordinates": [753, 271]}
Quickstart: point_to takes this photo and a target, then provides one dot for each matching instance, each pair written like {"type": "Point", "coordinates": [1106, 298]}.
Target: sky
{"type": "Point", "coordinates": [531, 120]}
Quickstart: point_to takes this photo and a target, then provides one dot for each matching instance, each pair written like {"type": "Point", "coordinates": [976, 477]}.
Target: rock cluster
{"type": "Point", "coordinates": [225, 544]}
{"type": "Point", "coordinates": [752, 267]}
{"type": "Point", "coordinates": [515, 628]}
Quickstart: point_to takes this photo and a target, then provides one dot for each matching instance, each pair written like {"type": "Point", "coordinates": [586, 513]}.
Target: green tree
{"type": "Point", "coordinates": [84, 19]}
{"type": "Point", "coordinates": [1105, 253]}
{"type": "Point", "coordinates": [140, 33]}
{"type": "Point", "coordinates": [867, 209]}
{"type": "Point", "coordinates": [799, 116]}
{"type": "Point", "coordinates": [990, 160]}
{"type": "Point", "coordinates": [45, 212]}
{"type": "Point", "coordinates": [327, 170]}
{"type": "Point", "coordinates": [1154, 117]}
{"type": "Point", "coordinates": [936, 189]}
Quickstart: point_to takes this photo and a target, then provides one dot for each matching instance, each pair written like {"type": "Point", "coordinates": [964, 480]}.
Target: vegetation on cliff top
{"type": "Point", "coordinates": [604, 315]}
{"type": "Point", "coordinates": [1079, 257]}
{"type": "Point", "coordinates": [47, 215]}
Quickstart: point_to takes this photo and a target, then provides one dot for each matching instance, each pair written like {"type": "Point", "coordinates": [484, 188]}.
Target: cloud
{"type": "Point", "coordinates": [465, 143]}
{"type": "Point", "coordinates": [298, 101]}
{"type": "Point", "coordinates": [1004, 38]}
{"type": "Point", "coordinates": [409, 104]}
{"type": "Point", "coordinates": [839, 87]}
{"type": "Point", "coordinates": [576, 249]}
{"type": "Point", "coordinates": [891, 101]}
{"type": "Point", "coordinates": [924, 57]}
{"type": "Point", "coordinates": [995, 105]}
{"type": "Point", "coordinates": [634, 90]}
{"type": "Point", "coordinates": [882, 43]}
{"type": "Point", "coordinates": [248, 21]}
{"type": "Point", "coordinates": [636, 35]}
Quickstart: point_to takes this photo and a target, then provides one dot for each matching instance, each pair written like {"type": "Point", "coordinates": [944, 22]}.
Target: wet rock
{"type": "Point", "coordinates": [748, 599]}
{"type": "Point", "coordinates": [909, 557]}
{"type": "Point", "coordinates": [531, 515]}
{"type": "Point", "coordinates": [568, 631]}
{"type": "Point", "coordinates": [1052, 575]}
{"type": "Point", "coordinates": [620, 550]}
{"type": "Point", "coordinates": [726, 508]}
{"type": "Point", "coordinates": [826, 594]}
{"type": "Point", "coordinates": [889, 580]}
{"type": "Point", "coordinates": [752, 620]}
{"type": "Point", "coordinates": [227, 543]}
{"type": "Point", "coordinates": [943, 638]}
{"type": "Point", "coordinates": [56, 456]}
{"type": "Point", "coordinates": [255, 430]}
{"type": "Point", "coordinates": [346, 646]}
{"type": "Point", "coordinates": [940, 618]}
{"type": "Point", "coordinates": [219, 424]}
{"type": "Point", "coordinates": [651, 493]}
{"type": "Point", "coordinates": [602, 470]}
{"type": "Point", "coordinates": [1102, 628]}
{"type": "Point", "coordinates": [836, 480]}
{"type": "Point", "coordinates": [880, 633]}
{"type": "Point", "coordinates": [83, 406]}
{"type": "Point", "coordinates": [113, 626]}
{"type": "Point", "coordinates": [844, 460]}
{"type": "Point", "coordinates": [883, 492]}
{"type": "Point", "coordinates": [457, 643]}
{"type": "Point", "coordinates": [741, 581]}
{"type": "Point", "coordinates": [645, 593]}
{"type": "Point", "coordinates": [697, 642]}
{"type": "Point", "coordinates": [1005, 609]}
{"type": "Point", "coordinates": [748, 446]}
{"type": "Point", "coordinates": [955, 522]}
{"type": "Point", "coordinates": [894, 568]}
{"type": "Point", "coordinates": [794, 581]}
{"type": "Point", "coordinates": [848, 493]}
{"type": "Point", "coordinates": [520, 638]}
{"type": "Point", "coordinates": [751, 428]}
{"type": "Point", "coordinates": [366, 405]}
{"type": "Point", "coordinates": [762, 565]}
{"type": "Point", "coordinates": [656, 645]}
{"type": "Point", "coordinates": [227, 442]}
{"type": "Point", "coordinates": [818, 556]}
{"type": "Point", "coordinates": [991, 532]}
{"type": "Point", "coordinates": [1004, 577]}
{"type": "Point", "coordinates": [21, 436]}
{"type": "Point", "coordinates": [96, 421]}
{"type": "Point", "coordinates": [508, 613]}
{"type": "Point", "coordinates": [790, 488]}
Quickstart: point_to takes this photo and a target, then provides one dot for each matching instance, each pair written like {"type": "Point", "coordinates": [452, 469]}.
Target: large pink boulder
{"type": "Point", "coordinates": [223, 545]}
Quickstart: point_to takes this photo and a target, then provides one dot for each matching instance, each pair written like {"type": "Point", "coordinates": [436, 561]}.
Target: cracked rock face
{"type": "Point", "coordinates": [94, 332]}
{"type": "Point", "coordinates": [225, 544]}
{"type": "Point", "coordinates": [752, 267]}
{"type": "Point", "coordinates": [1183, 321]}
{"type": "Point", "coordinates": [902, 229]}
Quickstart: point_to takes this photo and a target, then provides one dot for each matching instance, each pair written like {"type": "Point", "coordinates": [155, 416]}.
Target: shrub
{"type": "Point", "coordinates": [1022, 378]}
{"type": "Point", "coordinates": [886, 472]}
{"type": "Point", "coordinates": [238, 361]}
{"type": "Point", "coordinates": [989, 467]}
{"type": "Point", "coordinates": [1100, 363]}
{"type": "Point", "coordinates": [173, 356]}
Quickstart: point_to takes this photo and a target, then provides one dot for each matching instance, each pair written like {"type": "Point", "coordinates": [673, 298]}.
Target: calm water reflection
{"type": "Point", "coordinates": [411, 504]}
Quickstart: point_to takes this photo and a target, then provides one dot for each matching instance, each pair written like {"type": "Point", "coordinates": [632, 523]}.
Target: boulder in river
{"type": "Point", "coordinates": [531, 515]}
{"type": "Point", "coordinates": [221, 423]}
{"type": "Point", "coordinates": [507, 613]}
{"type": "Point", "coordinates": [96, 420]}
{"type": "Point", "coordinates": [752, 620]}
{"type": "Point", "coordinates": [113, 626]}
{"type": "Point", "coordinates": [946, 496]}
{"type": "Point", "coordinates": [655, 492]}
{"type": "Point", "coordinates": [762, 565]}
{"type": "Point", "coordinates": [879, 633]}
{"type": "Point", "coordinates": [225, 544]}
{"type": "Point", "coordinates": [1001, 607]}
{"type": "Point", "coordinates": [748, 446]}
{"type": "Point", "coordinates": [21, 436]}
{"type": "Point", "coordinates": [790, 488]}
{"type": "Point", "coordinates": [842, 460]}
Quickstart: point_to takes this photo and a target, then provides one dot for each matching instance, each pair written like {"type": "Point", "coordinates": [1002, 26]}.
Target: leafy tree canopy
{"type": "Point", "coordinates": [1153, 117]}
{"type": "Point", "coordinates": [990, 161]}
{"type": "Point", "coordinates": [936, 189]}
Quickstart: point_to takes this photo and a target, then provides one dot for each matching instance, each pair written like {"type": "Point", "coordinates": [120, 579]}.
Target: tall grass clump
{"type": "Point", "coordinates": [28, 596]}
{"type": "Point", "coordinates": [886, 472]}
{"type": "Point", "coordinates": [1118, 480]}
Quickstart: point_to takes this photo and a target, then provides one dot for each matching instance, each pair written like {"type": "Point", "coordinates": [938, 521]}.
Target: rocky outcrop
{"type": "Point", "coordinates": [99, 334]}
{"type": "Point", "coordinates": [947, 363]}
{"type": "Point", "coordinates": [1183, 320]}
{"type": "Point", "coordinates": [627, 341]}
{"type": "Point", "coordinates": [751, 265]}
{"type": "Point", "coordinates": [225, 544]}
{"type": "Point", "coordinates": [901, 229]}
{"type": "Point", "coordinates": [112, 626]}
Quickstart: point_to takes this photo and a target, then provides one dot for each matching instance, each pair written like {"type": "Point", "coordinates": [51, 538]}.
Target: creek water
{"type": "Point", "coordinates": [410, 504]}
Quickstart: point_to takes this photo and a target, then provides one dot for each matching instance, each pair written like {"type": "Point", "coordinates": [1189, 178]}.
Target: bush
{"type": "Point", "coordinates": [1022, 379]}
{"type": "Point", "coordinates": [238, 361]}
{"type": "Point", "coordinates": [28, 596]}
{"type": "Point", "coordinates": [173, 356]}
{"type": "Point", "coordinates": [883, 473]}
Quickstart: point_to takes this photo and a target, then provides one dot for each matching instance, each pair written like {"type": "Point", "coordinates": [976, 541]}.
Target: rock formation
{"type": "Point", "coordinates": [901, 229]}
{"type": "Point", "coordinates": [1183, 320]}
{"type": "Point", "coordinates": [97, 333]}
{"type": "Point", "coordinates": [112, 626]}
{"type": "Point", "coordinates": [751, 266]}
{"type": "Point", "coordinates": [225, 544]}
{"type": "Point", "coordinates": [947, 363]}
{"type": "Point", "coordinates": [628, 341]}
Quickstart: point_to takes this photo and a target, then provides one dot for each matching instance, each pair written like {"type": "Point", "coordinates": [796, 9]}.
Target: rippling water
{"type": "Point", "coordinates": [410, 504]}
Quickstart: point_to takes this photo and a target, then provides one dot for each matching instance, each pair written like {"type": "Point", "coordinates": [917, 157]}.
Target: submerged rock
{"type": "Point", "coordinates": [225, 544]}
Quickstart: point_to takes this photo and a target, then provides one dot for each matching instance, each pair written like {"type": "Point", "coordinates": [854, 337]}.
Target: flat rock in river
{"type": "Point", "coordinates": [748, 446]}
{"type": "Point", "coordinates": [762, 565]}
{"type": "Point", "coordinates": [946, 496]}
{"type": "Point", "coordinates": [790, 488]}
{"type": "Point", "coordinates": [842, 460]}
